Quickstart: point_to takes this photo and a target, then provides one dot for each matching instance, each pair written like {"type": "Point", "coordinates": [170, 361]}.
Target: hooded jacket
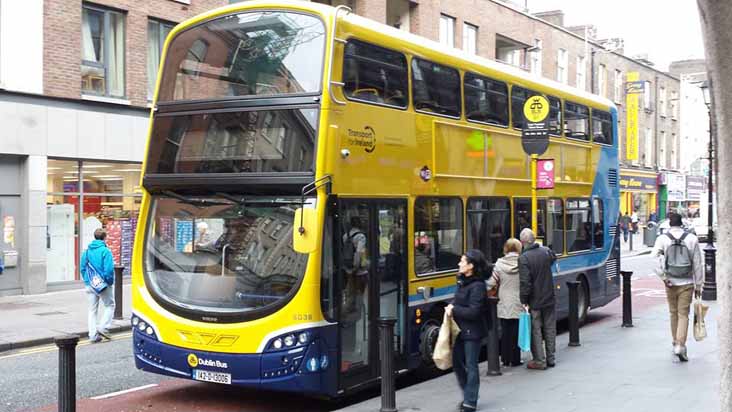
{"type": "Point", "coordinates": [469, 307]}
{"type": "Point", "coordinates": [99, 255]}
{"type": "Point", "coordinates": [507, 271]}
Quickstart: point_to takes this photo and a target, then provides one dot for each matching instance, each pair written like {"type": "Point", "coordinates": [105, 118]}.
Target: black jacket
{"type": "Point", "coordinates": [535, 272]}
{"type": "Point", "coordinates": [469, 307]}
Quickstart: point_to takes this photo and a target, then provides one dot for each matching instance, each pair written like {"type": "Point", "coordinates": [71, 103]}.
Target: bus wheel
{"type": "Point", "coordinates": [583, 301]}
{"type": "Point", "coordinates": [427, 342]}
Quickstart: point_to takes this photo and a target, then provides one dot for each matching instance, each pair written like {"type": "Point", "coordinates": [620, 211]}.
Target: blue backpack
{"type": "Point", "coordinates": [96, 280]}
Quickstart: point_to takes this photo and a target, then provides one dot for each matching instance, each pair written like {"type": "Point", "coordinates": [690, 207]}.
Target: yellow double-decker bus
{"type": "Point", "coordinates": [309, 171]}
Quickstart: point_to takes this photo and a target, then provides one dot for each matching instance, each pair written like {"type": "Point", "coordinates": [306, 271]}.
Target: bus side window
{"type": "Point", "coordinates": [374, 74]}
{"type": "Point", "coordinates": [486, 100]}
{"type": "Point", "coordinates": [436, 88]}
{"type": "Point", "coordinates": [576, 121]}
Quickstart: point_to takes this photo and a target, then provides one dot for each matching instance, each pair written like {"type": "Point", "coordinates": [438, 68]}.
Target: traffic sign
{"type": "Point", "coordinates": [535, 134]}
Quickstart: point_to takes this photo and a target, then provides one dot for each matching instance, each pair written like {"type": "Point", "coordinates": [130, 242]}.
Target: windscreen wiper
{"type": "Point", "coordinates": [242, 201]}
{"type": "Point", "coordinates": [193, 201]}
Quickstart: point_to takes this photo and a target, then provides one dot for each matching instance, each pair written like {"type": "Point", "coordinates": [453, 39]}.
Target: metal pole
{"type": "Point", "coordinates": [386, 352]}
{"type": "Point", "coordinates": [632, 233]}
{"type": "Point", "coordinates": [118, 270]}
{"type": "Point", "coordinates": [66, 372]}
{"type": "Point", "coordinates": [627, 303]}
{"type": "Point", "coordinates": [534, 223]}
{"type": "Point", "coordinates": [574, 339]}
{"type": "Point", "coordinates": [709, 292]}
{"type": "Point", "coordinates": [494, 366]}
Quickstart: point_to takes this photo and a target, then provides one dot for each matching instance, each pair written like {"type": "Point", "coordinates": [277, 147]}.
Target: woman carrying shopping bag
{"type": "Point", "coordinates": [467, 310]}
{"type": "Point", "coordinates": [506, 274]}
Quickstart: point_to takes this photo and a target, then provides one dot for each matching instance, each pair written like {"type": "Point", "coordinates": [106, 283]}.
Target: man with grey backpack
{"type": "Point", "coordinates": [680, 268]}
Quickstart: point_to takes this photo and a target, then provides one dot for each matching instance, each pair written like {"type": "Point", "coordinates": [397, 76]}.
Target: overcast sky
{"type": "Point", "coordinates": [666, 33]}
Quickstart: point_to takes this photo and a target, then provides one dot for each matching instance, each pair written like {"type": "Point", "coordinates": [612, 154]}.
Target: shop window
{"type": "Point", "coordinates": [489, 225]}
{"type": "Point", "coordinates": [579, 225]}
{"type": "Point", "coordinates": [438, 237]}
{"type": "Point", "coordinates": [62, 216]}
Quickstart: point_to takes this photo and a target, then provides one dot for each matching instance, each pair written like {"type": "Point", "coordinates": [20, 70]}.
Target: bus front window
{"type": "Point", "coordinates": [247, 54]}
{"type": "Point", "coordinates": [210, 256]}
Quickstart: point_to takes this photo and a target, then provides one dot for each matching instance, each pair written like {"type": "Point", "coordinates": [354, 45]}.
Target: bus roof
{"type": "Point", "coordinates": [418, 45]}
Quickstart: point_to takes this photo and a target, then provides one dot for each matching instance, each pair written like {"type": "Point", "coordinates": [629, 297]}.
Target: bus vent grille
{"type": "Point", "coordinates": [611, 268]}
{"type": "Point", "coordinates": [612, 177]}
{"type": "Point", "coordinates": [613, 230]}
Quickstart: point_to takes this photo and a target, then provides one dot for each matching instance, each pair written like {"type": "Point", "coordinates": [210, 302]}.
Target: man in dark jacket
{"type": "Point", "coordinates": [537, 295]}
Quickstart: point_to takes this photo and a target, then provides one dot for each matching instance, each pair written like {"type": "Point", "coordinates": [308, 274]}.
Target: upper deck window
{"type": "Point", "coordinates": [374, 74]}
{"type": "Point", "coordinates": [436, 88]}
{"type": "Point", "coordinates": [554, 120]}
{"type": "Point", "coordinates": [602, 127]}
{"type": "Point", "coordinates": [519, 95]}
{"type": "Point", "coordinates": [246, 54]}
{"type": "Point", "coordinates": [576, 121]}
{"type": "Point", "coordinates": [486, 100]}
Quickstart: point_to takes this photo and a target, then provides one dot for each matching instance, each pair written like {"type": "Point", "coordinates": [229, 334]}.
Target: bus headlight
{"type": "Point", "coordinates": [277, 344]}
{"type": "Point", "coordinates": [149, 330]}
{"type": "Point", "coordinates": [302, 338]}
{"type": "Point", "coordinates": [141, 326]}
{"type": "Point", "coordinates": [289, 340]}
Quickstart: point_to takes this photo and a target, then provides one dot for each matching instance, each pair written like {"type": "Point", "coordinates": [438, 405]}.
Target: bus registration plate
{"type": "Point", "coordinates": [215, 377]}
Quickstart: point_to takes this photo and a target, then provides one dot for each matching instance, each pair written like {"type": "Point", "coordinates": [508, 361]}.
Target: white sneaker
{"type": "Point", "coordinates": [682, 354]}
{"type": "Point", "coordinates": [677, 350]}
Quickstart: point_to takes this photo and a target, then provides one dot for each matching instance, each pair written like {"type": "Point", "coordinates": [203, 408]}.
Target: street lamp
{"type": "Point", "coordinates": [709, 292]}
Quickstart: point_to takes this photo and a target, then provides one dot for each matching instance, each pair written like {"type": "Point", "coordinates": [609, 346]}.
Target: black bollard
{"type": "Point", "coordinates": [66, 372]}
{"type": "Point", "coordinates": [494, 366]}
{"type": "Point", "coordinates": [627, 303]}
{"type": "Point", "coordinates": [118, 270]}
{"type": "Point", "coordinates": [574, 339]}
{"type": "Point", "coordinates": [386, 351]}
{"type": "Point", "coordinates": [631, 240]}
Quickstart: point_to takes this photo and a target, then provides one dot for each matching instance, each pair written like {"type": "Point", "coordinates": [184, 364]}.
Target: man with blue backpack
{"type": "Point", "coordinates": [680, 268]}
{"type": "Point", "coordinates": [97, 272]}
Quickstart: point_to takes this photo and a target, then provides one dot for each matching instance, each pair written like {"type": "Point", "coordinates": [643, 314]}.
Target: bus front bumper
{"type": "Point", "coordinates": [307, 369]}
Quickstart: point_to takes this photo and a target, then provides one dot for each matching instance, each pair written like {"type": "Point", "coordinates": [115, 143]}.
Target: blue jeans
{"type": "Point", "coordinates": [106, 298]}
{"type": "Point", "coordinates": [465, 364]}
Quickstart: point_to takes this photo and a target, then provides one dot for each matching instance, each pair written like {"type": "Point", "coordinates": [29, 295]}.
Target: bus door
{"type": "Point", "coordinates": [373, 274]}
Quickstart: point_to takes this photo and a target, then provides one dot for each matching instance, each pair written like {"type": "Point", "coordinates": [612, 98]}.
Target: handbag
{"type": "Point", "coordinates": [449, 330]}
{"type": "Point", "coordinates": [700, 327]}
{"type": "Point", "coordinates": [524, 332]}
{"type": "Point", "coordinates": [96, 281]}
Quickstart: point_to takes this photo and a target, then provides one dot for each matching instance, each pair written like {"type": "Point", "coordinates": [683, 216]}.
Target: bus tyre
{"type": "Point", "coordinates": [427, 341]}
{"type": "Point", "coordinates": [583, 301]}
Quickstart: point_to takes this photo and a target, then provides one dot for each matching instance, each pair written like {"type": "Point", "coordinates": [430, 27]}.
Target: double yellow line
{"type": "Point", "coordinates": [52, 348]}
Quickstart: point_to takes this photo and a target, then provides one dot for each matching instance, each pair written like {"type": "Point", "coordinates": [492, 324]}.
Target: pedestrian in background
{"type": "Point", "coordinates": [468, 311]}
{"type": "Point", "coordinates": [634, 220]}
{"type": "Point", "coordinates": [680, 268]}
{"type": "Point", "coordinates": [625, 226]}
{"type": "Point", "coordinates": [506, 275]}
{"type": "Point", "coordinates": [100, 257]}
{"type": "Point", "coordinates": [537, 296]}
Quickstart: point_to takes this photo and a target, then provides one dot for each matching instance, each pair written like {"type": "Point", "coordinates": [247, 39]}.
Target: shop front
{"type": "Point", "coordinates": [638, 193]}
{"type": "Point", "coordinates": [695, 189]}
{"type": "Point", "coordinates": [673, 193]}
{"type": "Point", "coordinates": [83, 196]}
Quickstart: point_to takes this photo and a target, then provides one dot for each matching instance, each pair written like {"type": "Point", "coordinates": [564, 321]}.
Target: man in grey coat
{"type": "Point", "coordinates": [537, 295]}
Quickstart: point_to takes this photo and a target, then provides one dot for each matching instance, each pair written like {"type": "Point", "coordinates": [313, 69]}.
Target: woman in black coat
{"type": "Point", "coordinates": [467, 310]}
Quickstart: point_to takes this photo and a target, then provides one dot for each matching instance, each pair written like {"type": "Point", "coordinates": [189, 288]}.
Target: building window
{"type": "Point", "coordinates": [618, 95]}
{"type": "Point", "coordinates": [647, 95]}
{"type": "Point", "coordinates": [674, 146]}
{"type": "Point", "coordinates": [470, 38]}
{"type": "Point", "coordinates": [562, 62]}
{"type": "Point", "coordinates": [602, 80]}
{"type": "Point", "coordinates": [447, 31]}
{"type": "Point", "coordinates": [581, 73]}
{"type": "Point", "coordinates": [662, 150]}
{"type": "Point", "coordinates": [157, 31]}
{"type": "Point", "coordinates": [102, 52]}
{"type": "Point", "coordinates": [648, 152]}
{"type": "Point", "coordinates": [438, 234]}
{"type": "Point", "coordinates": [536, 57]}
{"type": "Point", "coordinates": [674, 102]}
{"type": "Point", "coordinates": [662, 101]}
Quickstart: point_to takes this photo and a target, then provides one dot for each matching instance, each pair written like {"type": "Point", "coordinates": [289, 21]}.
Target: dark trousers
{"type": "Point", "coordinates": [543, 331]}
{"type": "Point", "coordinates": [465, 364]}
{"type": "Point", "coordinates": [510, 352]}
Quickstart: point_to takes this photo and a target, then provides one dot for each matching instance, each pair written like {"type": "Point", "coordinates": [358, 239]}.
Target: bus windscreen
{"type": "Point", "coordinates": [246, 54]}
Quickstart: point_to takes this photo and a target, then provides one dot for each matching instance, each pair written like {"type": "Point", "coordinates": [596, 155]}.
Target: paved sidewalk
{"type": "Point", "coordinates": [615, 369]}
{"type": "Point", "coordinates": [30, 320]}
{"type": "Point", "coordinates": [638, 247]}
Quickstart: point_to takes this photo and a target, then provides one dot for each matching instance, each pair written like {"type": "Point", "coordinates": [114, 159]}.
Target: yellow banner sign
{"type": "Point", "coordinates": [631, 131]}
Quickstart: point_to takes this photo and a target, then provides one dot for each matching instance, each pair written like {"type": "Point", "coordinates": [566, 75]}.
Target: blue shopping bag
{"type": "Point", "coordinates": [524, 337]}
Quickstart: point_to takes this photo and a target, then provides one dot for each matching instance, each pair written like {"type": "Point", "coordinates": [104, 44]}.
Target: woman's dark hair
{"type": "Point", "coordinates": [480, 265]}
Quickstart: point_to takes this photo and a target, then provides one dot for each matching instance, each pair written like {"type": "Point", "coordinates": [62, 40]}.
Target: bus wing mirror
{"type": "Point", "coordinates": [303, 230]}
